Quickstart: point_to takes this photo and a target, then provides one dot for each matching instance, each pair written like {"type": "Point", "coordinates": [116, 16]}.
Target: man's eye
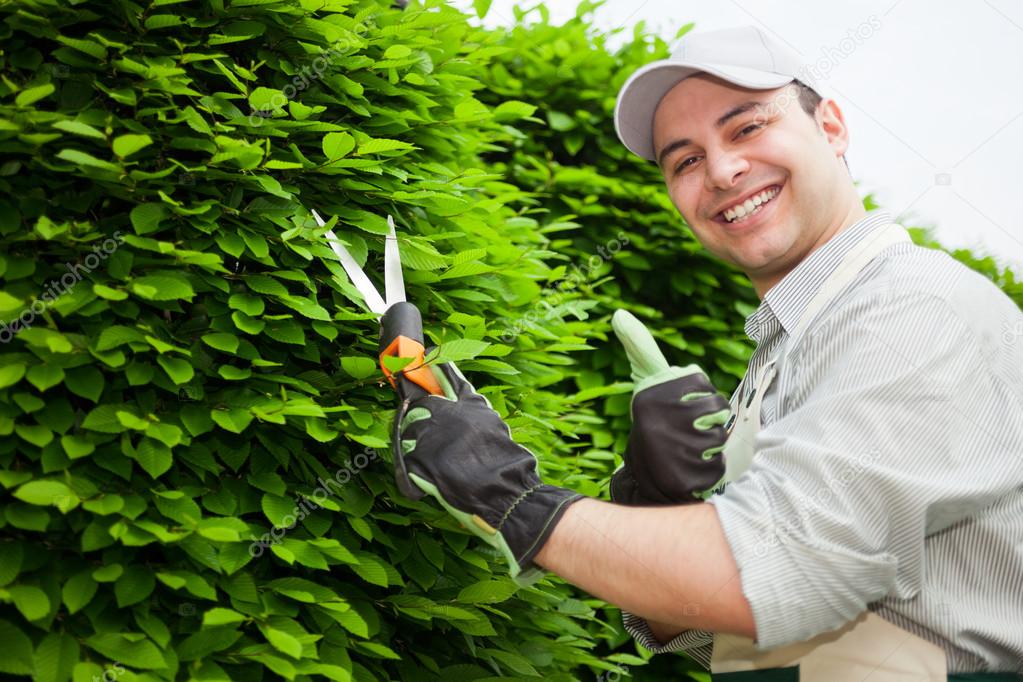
{"type": "Point", "coordinates": [685, 164]}
{"type": "Point", "coordinates": [750, 127]}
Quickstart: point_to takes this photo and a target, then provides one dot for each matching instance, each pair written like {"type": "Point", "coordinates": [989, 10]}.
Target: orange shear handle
{"type": "Point", "coordinates": [401, 335]}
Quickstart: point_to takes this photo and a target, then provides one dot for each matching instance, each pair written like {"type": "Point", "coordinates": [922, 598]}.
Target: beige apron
{"type": "Point", "coordinates": [869, 648]}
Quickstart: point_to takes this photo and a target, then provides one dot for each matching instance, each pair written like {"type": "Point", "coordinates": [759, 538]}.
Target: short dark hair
{"type": "Point", "coordinates": [808, 98]}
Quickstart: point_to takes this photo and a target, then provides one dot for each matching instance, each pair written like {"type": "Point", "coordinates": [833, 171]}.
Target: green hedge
{"type": "Point", "coordinates": [207, 374]}
{"type": "Point", "coordinates": [194, 430]}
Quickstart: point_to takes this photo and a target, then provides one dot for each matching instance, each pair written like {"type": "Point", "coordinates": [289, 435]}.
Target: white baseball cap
{"type": "Point", "coordinates": [745, 56]}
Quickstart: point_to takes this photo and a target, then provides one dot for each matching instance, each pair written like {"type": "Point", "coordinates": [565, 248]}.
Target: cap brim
{"type": "Point", "coordinates": [644, 90]}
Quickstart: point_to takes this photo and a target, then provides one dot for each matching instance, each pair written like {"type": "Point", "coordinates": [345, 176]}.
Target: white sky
{"type": "Point", "coordinates": [935, 120]}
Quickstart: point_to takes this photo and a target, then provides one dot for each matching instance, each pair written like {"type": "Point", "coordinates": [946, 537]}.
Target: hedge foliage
{"type": "Point", "coordinates": [194, 459]}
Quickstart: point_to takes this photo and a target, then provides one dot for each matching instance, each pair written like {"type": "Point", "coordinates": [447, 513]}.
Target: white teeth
{"type": "Point", "coordinates": [750, 205]}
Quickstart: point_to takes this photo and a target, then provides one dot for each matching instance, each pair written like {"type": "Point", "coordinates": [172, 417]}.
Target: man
{"type": "Point", "coordinates": [872, 521]}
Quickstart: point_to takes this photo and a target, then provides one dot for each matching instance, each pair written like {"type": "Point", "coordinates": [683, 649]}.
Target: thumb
{"type": "Point", "coordinates": [641, 348]}
{"type": "Point", "coordinates": [454, 384]}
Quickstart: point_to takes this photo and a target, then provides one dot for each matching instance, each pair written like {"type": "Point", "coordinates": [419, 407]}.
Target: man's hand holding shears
{"type": "Point", "coordinates": [449, 443]}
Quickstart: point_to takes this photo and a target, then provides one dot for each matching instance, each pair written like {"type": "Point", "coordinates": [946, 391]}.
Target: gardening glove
{"type": "Point", "coordinates": [456, 448]}
{"type": "Point", "coordinates": [674, 451]}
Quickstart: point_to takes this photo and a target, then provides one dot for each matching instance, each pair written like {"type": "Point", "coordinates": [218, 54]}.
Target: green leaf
{"type": "Point", "coordinates": [76, 447]}
{"type": "Point", "coordinates": [27, 517]}
{"type": "Point", "coordinates": [30, 601]}
{"type": "Point", "coordinates": [11, 374]}
{"type": "Point", "coordinates": [282, 641]}
{"type": "Point", "coordinates": [17, 658]}
{"type": "Point", "coordinates": [126, 145]}
{"type": "Point", "coordinates": [33, 95]}
{"type": "Point", "coordinates": [337, 145]}
{"type": "Point", "coordinates": [44, 493]}
{"type": "Point", "coordinates": [280, 511]}
{"type": "Point", "coordinates": [179, 371]}
{"type": "Point", "coordinates": [55, 657]}
{"type": "Point", "coordinates": [146, 218]}
{"type": "Point", "coordinates": [267, 99]}
{"type": "Point", "coordinates": [246, 303]}
{"type": "Point", "coordinates": [108, 573]}
{"type": "Point", "coordinates": [459, 349]}
{"type": "Point", "coordinates": [163, 288]}
{"type": "Point", "coordinates": [513, 110]}
{"type": "Point", "coordinates": [303, 590]}
{"type": "Point", "coordinates": [87, 160]}
{"type": "Point", "coordinates": [154, 456]}
{"type": "Point", "coordinates": [262, 284]}
{"type": "Point", "coordinates": [104, 505]}
{"type": "Point", "coordinates": [109, 293]}
{"type": "Point", "coordinates": [134, 585]}
{"type": "Point", "coordinates": [359, 367]}
{"type": "Point", "coordinates": [79, 128]}
{"type": "Point", "coordinates": [103, 418]}
{"type": "Point", "coordinates": [44, 376]}
{"type": "Point", "coordinates": [89, 47]}
{"type": "Point", "coordinates": [86, 382]}
{"type": "Point", "coordinates": [10, 562]}
{"type": "Point", "coordinates": [397, 52]}
{"type": "Point", "coordinates": [220, 616]}
{"type": "Point", "coordinates": [49, 339]}
{"type": "Point", "coordinates": [383, 145]}
{"type": "Point", "coordinates": [221, 341]}
{"type": "Point", "coordinates": [159, 21]}
{"type": "Point", "coordinates": [234, 420]}
{"type": "Point", "coordinates": [481, 7]}
{"type": "Point", "coordinates": [126, 649]}
{"type": "Point", "coordinates": [78, 591]}
{"type": "Point", "coordinates": [487, 592]}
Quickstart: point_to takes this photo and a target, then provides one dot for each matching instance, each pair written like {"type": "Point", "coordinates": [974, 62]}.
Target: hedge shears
{"type": "Point", "coordinates": [401, 329]}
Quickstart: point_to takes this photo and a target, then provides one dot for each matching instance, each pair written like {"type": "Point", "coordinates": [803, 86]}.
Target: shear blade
{"type": "Point", "coordinates": [355, 273]}
{"type": "Point", "coordinates": [394, 283]}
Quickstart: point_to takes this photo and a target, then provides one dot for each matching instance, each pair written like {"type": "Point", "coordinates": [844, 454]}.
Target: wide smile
{"type": "Point", "coordinates": [755, 217]}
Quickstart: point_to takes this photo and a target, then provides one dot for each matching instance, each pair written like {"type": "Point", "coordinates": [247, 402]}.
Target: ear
{"type": "Point", "coordinates": [831, 123]}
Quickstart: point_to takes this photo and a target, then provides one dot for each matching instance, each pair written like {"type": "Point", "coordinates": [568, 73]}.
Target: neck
{"type": "Point", "coordinates": [764, 283]}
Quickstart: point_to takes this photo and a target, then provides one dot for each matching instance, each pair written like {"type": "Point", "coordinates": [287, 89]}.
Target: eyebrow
{"type": "Point", "coordinates": [728, 116]}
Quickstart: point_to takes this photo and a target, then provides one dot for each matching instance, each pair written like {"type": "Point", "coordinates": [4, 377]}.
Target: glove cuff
{"type": "Point", "coordinates": [531, 519]}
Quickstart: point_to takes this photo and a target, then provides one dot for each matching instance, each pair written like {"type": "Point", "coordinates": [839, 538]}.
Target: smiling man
{"type": "Point", "coordinates": [869, 522]}
{"type": "Point", "coordinates": [789, 161]}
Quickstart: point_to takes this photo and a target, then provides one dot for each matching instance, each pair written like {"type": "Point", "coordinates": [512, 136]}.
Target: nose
{"type": "Point", "coordinates": [725, 170]}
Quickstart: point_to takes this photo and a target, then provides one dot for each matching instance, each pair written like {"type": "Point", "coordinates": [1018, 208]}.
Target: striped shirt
{"type": "Point", "coordinates": [888, 473]}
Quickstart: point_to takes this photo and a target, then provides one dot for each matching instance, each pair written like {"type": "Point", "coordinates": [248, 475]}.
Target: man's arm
{"type": "Point", "coordinates": [670, 565]}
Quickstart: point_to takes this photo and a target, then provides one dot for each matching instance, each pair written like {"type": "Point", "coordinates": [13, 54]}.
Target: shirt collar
{"type": "Point", "coordinates": [787, 300]}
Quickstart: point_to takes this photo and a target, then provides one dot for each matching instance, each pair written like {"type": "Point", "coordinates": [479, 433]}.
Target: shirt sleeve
{"type": "Point", "coordinates": [698, 644]}
{"type": "Point", "coordinates": [890, 433]}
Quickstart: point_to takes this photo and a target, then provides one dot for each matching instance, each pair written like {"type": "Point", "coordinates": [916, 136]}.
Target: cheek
{"type": "Point", "coordinates": [683, 194]}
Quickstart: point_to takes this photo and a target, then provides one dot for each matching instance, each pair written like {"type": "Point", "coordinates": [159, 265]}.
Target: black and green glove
{"type": "Point", "coordinates": [674, 451]}
{"type": "Point", "coordinates": [459, 450]}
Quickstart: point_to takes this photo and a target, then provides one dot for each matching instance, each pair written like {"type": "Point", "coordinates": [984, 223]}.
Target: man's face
{"type": "Point", "coordinates": [714, 155]}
